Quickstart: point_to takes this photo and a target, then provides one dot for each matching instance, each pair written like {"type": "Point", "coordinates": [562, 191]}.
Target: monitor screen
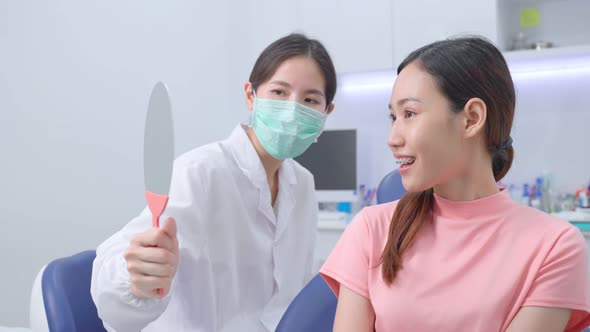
{"type": "Point", "coordinates": [332, 160]}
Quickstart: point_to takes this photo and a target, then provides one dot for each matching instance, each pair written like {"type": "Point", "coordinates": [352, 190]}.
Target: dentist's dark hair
{"type": "Point", "coordinates": [292, 45]}
{"type": "Point", "coordinates": [463, 68]}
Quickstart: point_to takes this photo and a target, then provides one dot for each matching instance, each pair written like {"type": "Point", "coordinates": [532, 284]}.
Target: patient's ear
{"type": "Point", "coordinates": [475, 113]}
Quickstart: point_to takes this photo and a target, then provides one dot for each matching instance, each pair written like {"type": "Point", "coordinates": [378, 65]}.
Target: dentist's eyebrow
{"type": "Point", "coordinates": [315, 92]}
{"type": "Point", "coordinates": [282, 83]}
{"type": "Point", "coordinates": [287, 85]}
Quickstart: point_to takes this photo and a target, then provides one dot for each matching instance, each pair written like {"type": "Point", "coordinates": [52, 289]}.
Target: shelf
{"type": "Point", "coordinates": [566, 52]}
{"type": "Point", "coordinates": [530, 2]}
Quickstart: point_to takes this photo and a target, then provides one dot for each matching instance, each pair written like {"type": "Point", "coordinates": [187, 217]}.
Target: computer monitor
{"type": "Point", "coordinates": [332, 161]}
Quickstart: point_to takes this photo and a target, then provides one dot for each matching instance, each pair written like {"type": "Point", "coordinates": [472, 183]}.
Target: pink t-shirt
{"type": "Point", "coordinates": [471, 267]}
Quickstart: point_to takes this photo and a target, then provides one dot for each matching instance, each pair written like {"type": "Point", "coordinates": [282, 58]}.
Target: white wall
{"type": "Point", "coordinates": [75, 79]}
{"type": "Point", "coordinates": [419, 22]}
{"type": "Point", "coordinates": [550, 128]}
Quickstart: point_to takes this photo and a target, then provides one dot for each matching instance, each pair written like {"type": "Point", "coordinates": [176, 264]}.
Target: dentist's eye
{"type": "Point", "coordinates": [278, 92]}
{"type": "Point", "coordinates": [311, 101]}
{"type": "Point", "coordinates": [391, 117]}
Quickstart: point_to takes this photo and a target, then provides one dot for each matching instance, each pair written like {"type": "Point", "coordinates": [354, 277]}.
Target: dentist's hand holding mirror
{"type": "Point", "coordinates": [152, 256]}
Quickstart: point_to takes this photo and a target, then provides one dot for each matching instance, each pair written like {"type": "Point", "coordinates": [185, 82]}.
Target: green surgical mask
{"type": "Point", "coordinates": [286, 128]}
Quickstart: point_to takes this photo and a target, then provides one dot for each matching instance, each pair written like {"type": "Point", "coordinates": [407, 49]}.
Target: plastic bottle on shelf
{"type": "Point", "coordinates": [537, 199]}
{"type": "Point", "coordinates": [514, 194]}
{"type": "Point", "coordinates": [583, 199]}
{"type": "Point", "coordinates": [549, 193]}
{"type": "Point", "coordinates": [526, 198]}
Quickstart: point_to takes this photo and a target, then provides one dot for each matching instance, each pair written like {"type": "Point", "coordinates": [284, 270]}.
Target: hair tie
{"type": "Point", "coordinates": [505, 145]}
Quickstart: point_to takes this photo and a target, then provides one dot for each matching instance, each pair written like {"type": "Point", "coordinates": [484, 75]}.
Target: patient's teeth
{"type": "Point", "coordinates": [404, 161]}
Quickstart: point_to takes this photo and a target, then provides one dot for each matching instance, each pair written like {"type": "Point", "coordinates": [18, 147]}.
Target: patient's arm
{"type": "Point", "coordinates": [540, 319]}
{"type": "Point", "coordinates": [354, 312]}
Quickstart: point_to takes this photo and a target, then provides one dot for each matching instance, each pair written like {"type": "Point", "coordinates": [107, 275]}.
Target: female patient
{"type": "Point", "coordinates": [455, 253]}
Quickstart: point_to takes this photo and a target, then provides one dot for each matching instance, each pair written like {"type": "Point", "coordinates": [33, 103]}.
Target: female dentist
{"type": "Point", "coordinates": [238, 243]}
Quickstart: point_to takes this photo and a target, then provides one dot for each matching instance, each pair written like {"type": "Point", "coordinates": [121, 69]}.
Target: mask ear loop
{"type": "Point", "coordinates": [252, 113]}
{"type": "Point", "coordinates": [323, 125]}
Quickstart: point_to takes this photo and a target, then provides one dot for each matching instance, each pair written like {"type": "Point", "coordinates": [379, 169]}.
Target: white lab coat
{"type": "Point", "coordinates": [240, 266]}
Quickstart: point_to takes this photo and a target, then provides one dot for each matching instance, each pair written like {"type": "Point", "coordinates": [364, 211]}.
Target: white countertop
{"type": "Point", "coordinates": [337, 221]}
{"type": "Point", "coordinates": [573, 216]}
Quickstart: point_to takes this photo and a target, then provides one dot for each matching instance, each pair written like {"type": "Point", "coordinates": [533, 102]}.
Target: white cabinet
{"type": "Point", "coordinates": [419, 22]}
{"type": "Point", "coordinates": [564, 23]}
{"type": "Point", "coordinates": [357, 34]}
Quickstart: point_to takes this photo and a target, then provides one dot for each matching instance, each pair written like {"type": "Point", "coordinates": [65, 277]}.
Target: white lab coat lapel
{"type": "Point", "coordinates": [249, 162]}
{"type": "Point", "coordinates": [286, 197]}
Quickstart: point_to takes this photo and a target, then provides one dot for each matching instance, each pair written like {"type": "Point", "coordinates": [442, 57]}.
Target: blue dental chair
{"type": "Point", "coordinates": [66, 302]}
{"type": "Point", "coordinates": [390, 188]}
{"type": "Point", "coordinates": [313, 309]}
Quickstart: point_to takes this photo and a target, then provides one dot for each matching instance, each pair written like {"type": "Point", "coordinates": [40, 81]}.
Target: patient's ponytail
{"type": "Point", "coordinates": [410, 213]}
